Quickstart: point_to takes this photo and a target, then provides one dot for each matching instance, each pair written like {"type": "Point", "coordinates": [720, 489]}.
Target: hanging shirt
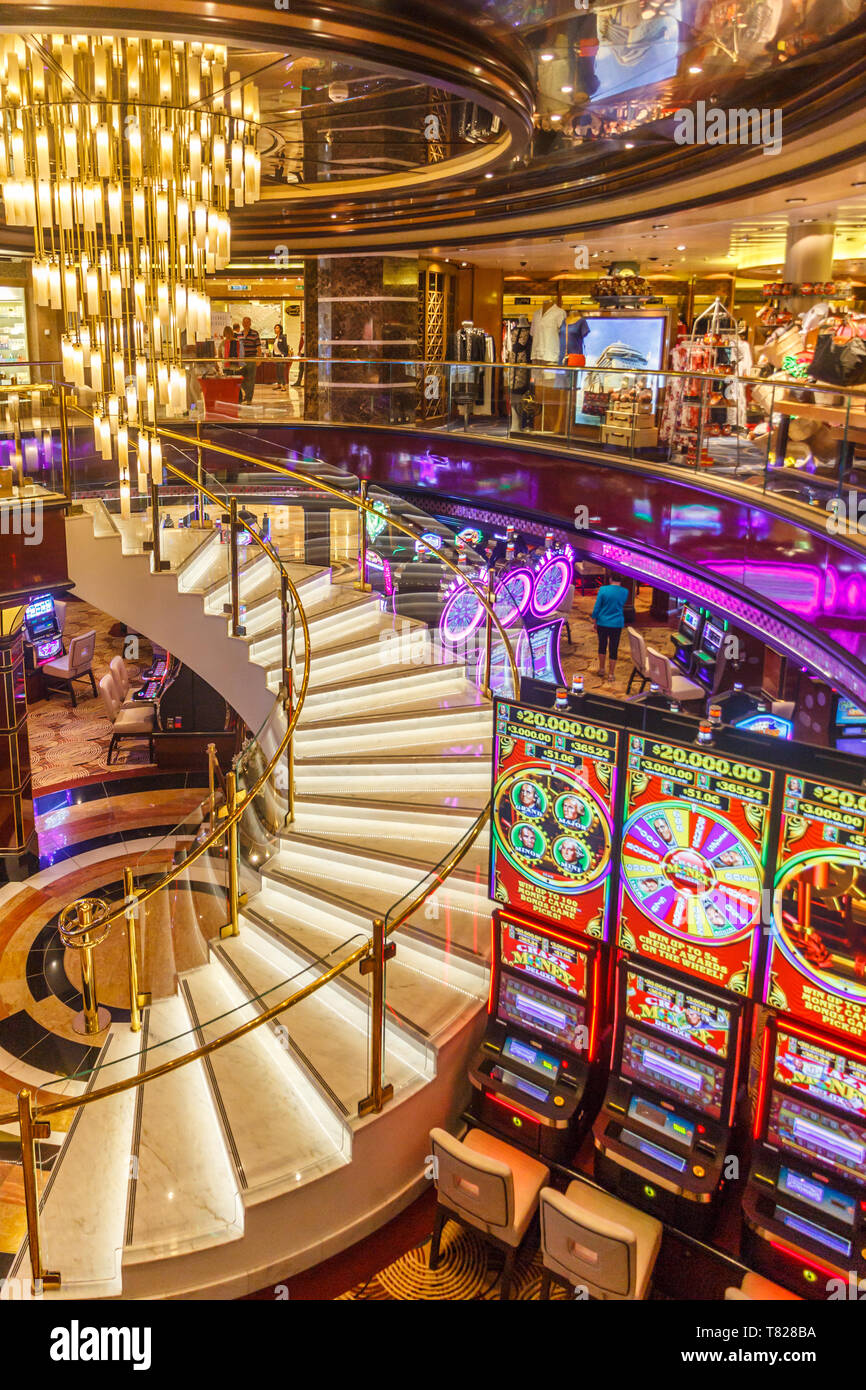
{"type": "Point", "coordinates": [546, 324]}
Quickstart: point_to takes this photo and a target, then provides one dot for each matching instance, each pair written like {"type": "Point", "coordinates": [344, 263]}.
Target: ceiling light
{"type": "Point", "coordinates": [566, 90]}
{"type": "Point", "coordinates": [555, 116]}
{"type": "Point", "coordinates": [488, 176]}
{"type": "Point", "coordinates": [681, 248]}
{"type": "Point", "coordinates": [795, 200]}
{"type": "Point", "coordinates": [660, 226]}
{"type": "Point", "coordinates": [333, 216]}
{"type": "Point", "coordinates": [547, 57]}
{"type": "Point", "coordinates": [629, 144]}
{"type": "Point", "coordinates": [694, 70]}
{"type": "Point", "coordinates": [859, 183]}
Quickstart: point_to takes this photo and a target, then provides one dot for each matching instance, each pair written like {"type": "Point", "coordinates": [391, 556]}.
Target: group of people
{"type": "Point", "coordinates": [242, 349]}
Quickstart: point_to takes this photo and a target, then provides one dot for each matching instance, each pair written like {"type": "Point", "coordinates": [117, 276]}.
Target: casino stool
{"type": "Point", "coordinates": [76, 665]}
{"type": "Point", "coordinates": [670, 682]}
{"type": "Point", "coordinates": [638, 648]}
{"type": "Point", "coordinates": [60, 606]}
{"type": "Point", "coordinates": [117, 667]}
{"type": "Point", "coordinates": [488, 1185]}
{"type": "Point", "coordinates": [783, 708]}
{"type": "Point", "coordinates": [592, 1240]}
{"type": "Point", "coordinates": [755, 1288]}
{"type": "Point", "coordinates": [128, 723]}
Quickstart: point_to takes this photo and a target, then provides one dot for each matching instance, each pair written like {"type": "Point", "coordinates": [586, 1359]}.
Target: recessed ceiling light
{"type": "Point", "coordinates": [629, 144]}
{"type": "Point", "coordinates": [556, 116]}
{"type": "Point", "coordinates": [660, 226]}
{"type": "Point", "coordinates": [333, 216]}
{"type": "Point", "coordinates": [464, 262]}
{"type": "Point", "coordinates": [488, 176]}
{"type": "Point", "coordinates": [694, 70]}
{"type": "Point", "coordinates": [566, 90]}
{"type": "Point", "coordinates": [795, 200]}
{"type": "Point", "coordinates": [681, 248]}
{"type": "Point", "coordinates": [547, 57]}
{"type": "Point", "coordinates": [805, 220]}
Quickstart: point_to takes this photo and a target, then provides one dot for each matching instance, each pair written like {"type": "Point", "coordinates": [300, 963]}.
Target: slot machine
{"type": "Point", "coordinates": [44, 641]}
{"type": "Point", "coordinates": [694, 846]}
{"type": "Point", "coordinates": [688, 635]}
{"type": "Point", "coordinates": [536, 1076]}
{"type": "Point", "coordinates": [533, 1072]}
{"type": "Point", "coordinates": [707, 653]}
{"type": "Point", "coordinates": [849, 726]}
{"type": "Point", "coordinates": [805, 1201]}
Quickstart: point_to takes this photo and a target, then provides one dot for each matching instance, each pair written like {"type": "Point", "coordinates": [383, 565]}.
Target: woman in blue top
{"type": "Point", "coordinates": [609, 618]}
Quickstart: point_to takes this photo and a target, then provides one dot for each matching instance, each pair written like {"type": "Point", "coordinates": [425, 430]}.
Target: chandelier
{"type": "Point", "coordinates": [124, 156]}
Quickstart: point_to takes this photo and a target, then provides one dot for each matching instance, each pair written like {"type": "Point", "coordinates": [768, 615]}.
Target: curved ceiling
{"type": "Point", "coordinates": [445, 123]}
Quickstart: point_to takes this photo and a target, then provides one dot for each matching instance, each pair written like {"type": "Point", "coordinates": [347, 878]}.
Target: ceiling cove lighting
{"type": "Point", "coordinates": [124, 155]}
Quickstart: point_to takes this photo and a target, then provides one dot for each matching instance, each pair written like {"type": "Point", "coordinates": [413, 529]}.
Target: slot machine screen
{"type": "Point", "coordinates": [40, 617]}
{"type": "Point", "coordinates": [537, 1011]}
{"type": "Point", "coordinates": [554, 784]}
{"type": "Point", "coordinates": [847, 713]}
{"type": "Point", "coordinates": [815, 962]}
{"type": "Point", "coordinates": [693, 849]}
{"type": "Point", "coordinates": [543, 957]}
{"type": "Point", "coordinates": [687, 1017]}
{"type": "Point", "coordinates": [821, 1112]}
{"type": "Point", "coordinates": [712, 639]}
{"type": "Point", "coordinates": [680, 1075]}
{"type": "Point", "coordinates": [690, 619]}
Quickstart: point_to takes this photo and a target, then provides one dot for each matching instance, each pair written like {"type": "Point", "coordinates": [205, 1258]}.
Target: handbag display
{"type": "Point", "coordinates": [840, 358]}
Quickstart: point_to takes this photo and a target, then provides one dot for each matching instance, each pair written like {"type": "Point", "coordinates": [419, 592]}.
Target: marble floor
{"type": "Point", "coordinates": [87, 833]}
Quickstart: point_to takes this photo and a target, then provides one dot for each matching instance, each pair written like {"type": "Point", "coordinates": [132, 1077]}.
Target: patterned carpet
{"type": "Point", "coordinates": [67, 744]}
{"type": "Point", "coordinates": [468, 1270]}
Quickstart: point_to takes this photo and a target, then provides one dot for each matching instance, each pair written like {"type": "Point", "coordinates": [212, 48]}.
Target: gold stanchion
{"type": "Point", "coordinates": [79, 927]}
{"type": "Point", "coordinates": [211, 784]}
{"type": "Point", "coordinates": [31, 1130]}
{"type": "Point", "coordinates": [381, 951]}
{"type": "Point", "coordinates": [237, 630]}
{"type": "Point", "coordinates": [66, 473]}
{"type": "Point", "coordinates": [361, 582]}
{"type": "Point", "coordinates": [488, 635]}
{"type": "Point", "coordinates": [290, 755]}
{"type": "Point", "coordinates": [232, 926]}
{"type": "Point", "coordinates": [137, 1000]}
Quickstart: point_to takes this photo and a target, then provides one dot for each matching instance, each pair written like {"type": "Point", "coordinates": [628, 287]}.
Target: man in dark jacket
{"type": "Point", "coordinates": [250, 348]}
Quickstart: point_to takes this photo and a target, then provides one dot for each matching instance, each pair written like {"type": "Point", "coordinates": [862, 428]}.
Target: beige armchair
{"type": "Point", "coordinates": [76, 665]}
{"type": "Point", "coordinates": [487, 1184]}
{"type": "Point", "coordinates": [591, 1240]}
{"type": "Point", "coordinates": [128, 723]}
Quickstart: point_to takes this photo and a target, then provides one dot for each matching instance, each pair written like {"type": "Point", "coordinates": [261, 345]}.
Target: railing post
{"type": "Point", "coordinates": [211, 784]}
{"type": "Point", "coordinates": [31, 1130]}
{"type": "Point", "coordinates": [158, 562]}
{"type": "Point", "coordinates": [66, 473]}
{"type": "Point", "coordinates": [237, 630]}
{"type": "Point", "coordinates": [381, 951]}
{"type": "Point", "coordinates": [290, 753]}
{"type": "Point", "coordinates": [91, 1018]}
{"type": "Point", "coordinates": [137, 1000]}
{"type": "Point", "coordinates": [361, 582]}
{"type": "Point", "coordinates": [488, 636]}
{"type": "Point", "coordinates": [232, 926]}
{"type": "Point", "coordinates": [199, 495]}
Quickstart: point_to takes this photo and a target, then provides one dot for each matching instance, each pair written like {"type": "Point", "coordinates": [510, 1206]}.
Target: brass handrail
{"type": "Point", "coordinates": [226, 823]}
{"type": "Point", "coordinates": [439, 872]}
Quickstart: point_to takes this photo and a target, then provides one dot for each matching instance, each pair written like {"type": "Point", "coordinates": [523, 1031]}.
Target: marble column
{"type": "Point", "coordinates": [365, 327]}
{"type": "Point", "coordinates": [18, 844]}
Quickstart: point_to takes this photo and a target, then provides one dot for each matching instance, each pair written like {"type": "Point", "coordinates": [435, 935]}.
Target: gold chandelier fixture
{"type": "Point", "coordinates": [124, 156]}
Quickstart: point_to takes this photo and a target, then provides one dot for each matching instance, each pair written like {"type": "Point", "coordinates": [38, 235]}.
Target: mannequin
{"type": "Point", "coordinates": [547, 349]}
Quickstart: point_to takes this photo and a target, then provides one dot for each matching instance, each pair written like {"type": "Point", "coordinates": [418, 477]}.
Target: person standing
{"type": "Point", "coordinates": [230, 352]}
{"type": "Point", "coordinates": [608, 614]}
{"type": "Point", "coordinates": [300, 376]}
{"type": "Point", "coordinates": [282, 352]}
{"type": "Point", "coordinates": [250, 346]}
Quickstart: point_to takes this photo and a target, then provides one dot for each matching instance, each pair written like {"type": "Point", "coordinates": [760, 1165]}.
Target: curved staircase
{"type": "Point", "coordinates": [251, 1164]}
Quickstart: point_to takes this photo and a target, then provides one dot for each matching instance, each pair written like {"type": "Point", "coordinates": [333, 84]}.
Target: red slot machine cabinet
{"type": "Point", "coordinates": [664, 1131]}
{"type": "Point", "coordinates": [693, 854]}
{"type": "Point", "coordinates": [805, 1201]}
{"type": "Point", "coordinates": [551, 858]}
{"type": "Point", "coordinates": [533, 1075]}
